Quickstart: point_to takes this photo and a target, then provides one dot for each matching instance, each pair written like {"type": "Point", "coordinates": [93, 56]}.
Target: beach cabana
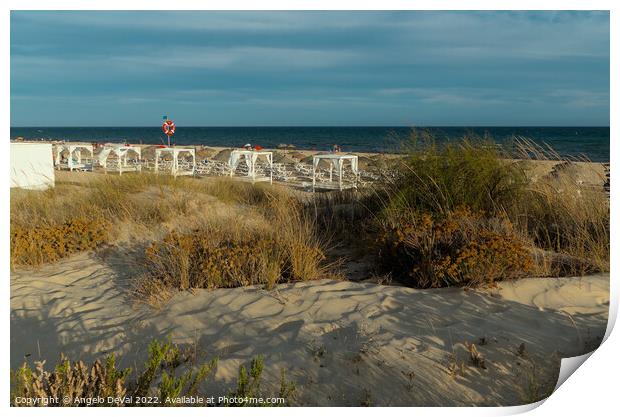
{"type": "Point", "coordinates": [337, 162]}
{"type": "Point", "coordinates": [250, 157]}
{"type": "Point", "coordinates": [116, 158]}
{"type": "Point", "coordinates": [73, 153]}
{"type": "Point", "coordinates": [184, 168]}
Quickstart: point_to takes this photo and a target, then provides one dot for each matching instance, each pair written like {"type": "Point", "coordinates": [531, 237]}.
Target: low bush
{"type": "Point", "coordinates": [457, 248]}
{"type": "Point", "coordinates": [45, 224]}
{"type": "Point", "coordinates": [274, 241]}
{"type": "Point", "coordinates": [219, 258]}
{"type": "Point", "coordinates": [200, 260]}
{"type": "Point", "coordinates": [49, 225]}
{"type": "Point", "coordinates": [48, 243]}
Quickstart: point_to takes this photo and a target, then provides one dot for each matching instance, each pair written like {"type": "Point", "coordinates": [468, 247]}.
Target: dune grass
{"type": "Point", "coordinates": [438, 178]}
{"type": "Point", "coordinates": [564, 223]}
{"type": "Point", "coordinates": [468, 212]}
{"type": "Point", "coordinates": [272, 239]}
{"type": "Point", "coordinates": [283, 247]}
{"type": "Point", "coordinates": [105, 197]}
{"type": "Point", "coordinates": [48, 225]}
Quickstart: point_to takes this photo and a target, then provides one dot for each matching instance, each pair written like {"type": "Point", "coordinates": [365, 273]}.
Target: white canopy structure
{"type": "Point", "coordinates": [175, 167]}
{"type": "Point", "coordinates": [74, 159]}
{"type": "Point", "coordinates": [251, 157]}
{"type": "Point", "coordinates": [335, 161]}
{"type": "Point", "coordinates": [120, 161]}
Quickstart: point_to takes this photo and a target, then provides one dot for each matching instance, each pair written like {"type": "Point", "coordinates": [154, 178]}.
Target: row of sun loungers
{"type": "Point", "coordinates": [299, 173]}
{"type": "Point", "coordinates": [290, 173]}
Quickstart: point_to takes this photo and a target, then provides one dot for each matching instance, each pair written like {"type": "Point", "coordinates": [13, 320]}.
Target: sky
{"type": "Point", "coordinates": [310, 68]}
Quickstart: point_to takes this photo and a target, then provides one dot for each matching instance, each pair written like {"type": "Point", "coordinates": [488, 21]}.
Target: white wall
{"type": "Point", "coordinates": [32, 165]}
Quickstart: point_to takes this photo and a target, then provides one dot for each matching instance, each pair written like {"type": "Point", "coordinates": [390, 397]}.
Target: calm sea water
{"type": "Point", "coordinates": [593, 142]}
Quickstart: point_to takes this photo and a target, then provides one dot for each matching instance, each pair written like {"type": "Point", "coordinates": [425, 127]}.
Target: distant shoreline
{"type": "Point", "coordinates": [593, 142]}
{"type": "Point", "coordinates": [324, 126]}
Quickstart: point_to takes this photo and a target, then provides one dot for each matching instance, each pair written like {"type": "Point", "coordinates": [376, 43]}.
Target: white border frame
{"type": "Point", "coordinates": [590, 393]}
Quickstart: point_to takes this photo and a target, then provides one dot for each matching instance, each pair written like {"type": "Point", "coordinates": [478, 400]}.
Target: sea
{"type": "Point", "coordinates": [589, 142]}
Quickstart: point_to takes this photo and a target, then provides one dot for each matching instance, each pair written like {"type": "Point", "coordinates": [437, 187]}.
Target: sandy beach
{"type": "Point", "coordinates": [342, 343]}
{"type": "Point", "coordinates": [352, 341]}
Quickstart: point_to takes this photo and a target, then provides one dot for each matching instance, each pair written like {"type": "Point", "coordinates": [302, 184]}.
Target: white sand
{"type": "Point", "coordinates": [342, 343]}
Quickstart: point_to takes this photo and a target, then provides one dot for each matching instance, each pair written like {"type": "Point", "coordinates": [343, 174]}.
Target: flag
{"type": "Point", "coordinates": [165, 117]}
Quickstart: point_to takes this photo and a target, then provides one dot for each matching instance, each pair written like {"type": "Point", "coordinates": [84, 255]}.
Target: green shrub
{"type": "Point", "coordinates": [69, 383]}
{"type": "Point", "coordinates": [74, 383]}
{"type": "Point", "coordinates": [248, 382]}
{"type": "Point", "coordinates": [248, 386]}
{"type": "Point", "coordinates": [186, 385]}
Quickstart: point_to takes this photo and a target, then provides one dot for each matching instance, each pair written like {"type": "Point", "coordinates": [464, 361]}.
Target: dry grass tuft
{"type": "Point", "coordinates": [278, 244]}
{"type": "Point", "coordinates": [568, 221]}
{"type": "Point", "coordinates": [475, 356]}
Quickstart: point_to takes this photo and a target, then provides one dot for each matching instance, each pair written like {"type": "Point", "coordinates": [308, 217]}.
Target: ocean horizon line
{"type": "Point", "coordinates": [592, 141]}
{"type": "Point", "coordinates": [315, 126]}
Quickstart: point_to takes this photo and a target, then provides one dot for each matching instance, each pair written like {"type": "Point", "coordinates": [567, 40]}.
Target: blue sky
{"type": "Point", "coordinates": [309, 68]}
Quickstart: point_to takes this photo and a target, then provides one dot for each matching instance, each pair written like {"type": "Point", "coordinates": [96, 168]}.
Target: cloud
{"type": "Point", "coordinates": [581, 98]}
{"type": "Point", "coordinates": [441, 65]}
{"type": "Point", "coordinates": [256, 58]}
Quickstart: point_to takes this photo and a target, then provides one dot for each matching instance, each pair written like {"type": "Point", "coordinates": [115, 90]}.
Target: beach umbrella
{"type": "Point", "coordinates": [223, 156]}
{"type": "Point", "coordinates": [281, 158]}
{"type": "Point", "coordinates": [578, 173]}
{"type": "Point", "coordinates": [205, 153]}
{"type": "Point", "coordinates": [309, 160]}
{"type": "Point", "coordinates": [148, 152]}
{"type": "Point", "coordinates": [285, 146]}
{"type": "Point", "coordinates": [297, 155]}
{"type": "Point", "coordinates": [364, 162]}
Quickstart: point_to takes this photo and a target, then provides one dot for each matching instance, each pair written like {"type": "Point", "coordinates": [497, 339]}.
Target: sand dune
{"type": "Point", "coordinates": [342, 343]}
